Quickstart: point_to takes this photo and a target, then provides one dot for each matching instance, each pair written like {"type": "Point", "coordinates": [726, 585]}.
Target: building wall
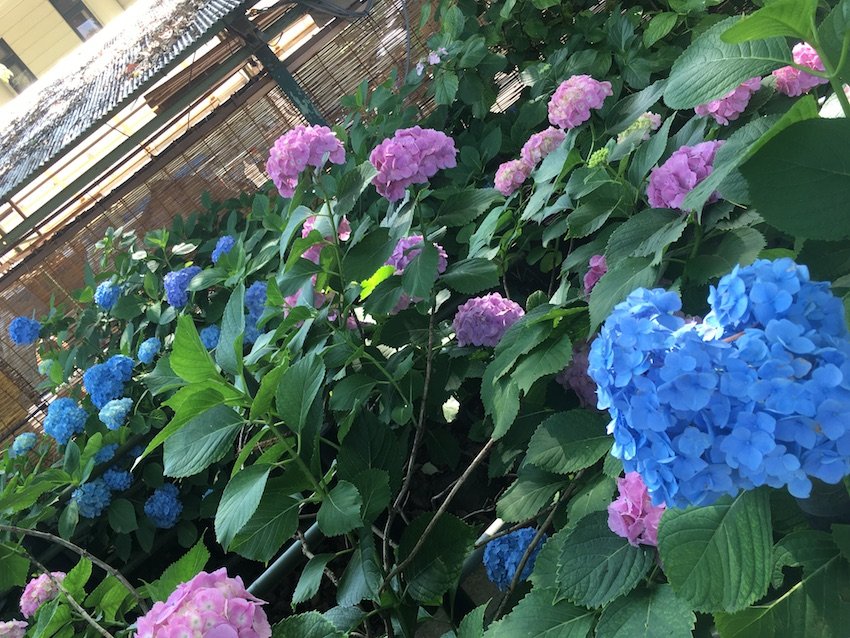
{"type": "Point", "coordinates": [39, 36]}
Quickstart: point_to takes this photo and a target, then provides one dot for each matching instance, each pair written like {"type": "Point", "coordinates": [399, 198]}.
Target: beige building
{"type": "Point", "coordinates": [35, 34]}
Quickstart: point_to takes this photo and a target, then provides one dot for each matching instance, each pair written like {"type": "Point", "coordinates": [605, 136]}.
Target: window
{"type": "Point", "coordinates": [21, 77]}
{"type": "Point", "coordinates": [78, 17]}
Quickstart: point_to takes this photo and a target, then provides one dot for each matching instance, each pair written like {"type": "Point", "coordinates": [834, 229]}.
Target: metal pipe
{"type": "Point", "coordinates": [285, 563]}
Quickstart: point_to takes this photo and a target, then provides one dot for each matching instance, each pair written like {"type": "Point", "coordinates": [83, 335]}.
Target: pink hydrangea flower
{"type": "Point", "coordinates": [671, 182]}
{"type": "Point", "coordinates": [209, 606]}
{"type": "Point", "coordinates": [793, 82]}
{"type": "Point", "coordinates": [313, 252]}
{"type": "Point", "coordinates": [38, 591]}
{"type": "Point", "coordinates": [482, 321]}
{"type": "Point", "coordinates": [598, 267]}
{"type": "Point", "coordinates": [411, 156]}
{"type": "Point", "coordinates": [731, 105]}
{"type": "Point", "coordinates": [511, 175]}
{"type": "Point", "coordinates": [299, 148]}
{"type": "Point", "coordinates": [13, 629]}
{"type": "Point", "coordinates": [632, 515]}
{"type": "Point", "coordinates": [319, 300]}
{"type": "Point", "coordinates": [641, 128]}
{"type": "Point", "coordinates": [404, 252]}
{"type": "Point", "coordinates": [573, 100]}
{"type": "Point", "coordinates": [541, 144]}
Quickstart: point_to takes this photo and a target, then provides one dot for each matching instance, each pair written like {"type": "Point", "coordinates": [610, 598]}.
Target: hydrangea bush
{"type": "Point", "coordinates": [606, 314]}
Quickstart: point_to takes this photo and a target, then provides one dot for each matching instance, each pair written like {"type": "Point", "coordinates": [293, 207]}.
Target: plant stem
{"type": "Point", "coordinates": [85, 554]}
{"type": "Point", "coordinates": [299, 461]}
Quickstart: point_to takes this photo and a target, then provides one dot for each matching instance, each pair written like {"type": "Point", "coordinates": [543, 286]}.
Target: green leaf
{"type": "Point", "coordinates": [274, 521]}
{"type": "Point", "coordinates": [617, 284]}
{"type": "Point", "coordinates": [367, 255]}
{"type": "Point", "coordinates": [69, 519]}
{"type": "Point", "coordinates": [239, 501]}
{"type": "Point", "coordinates": [547, 358]}
{"type": "Point", "coordinates": [189, 358]}
{"type": "Point", "coordinates": [445, 87]}
{"type": "Point", "coordinates": [596, 566]}
{"type": "Point", "coordinates": [194, 403]}
{"type": "Point", "coordinates": [268, 387]}
{"type": "Point", "coordinates": [310, 624]}
{"type": "Point", "coordinates": [800, 179]}
{"type": "Point", "coordinates": [201, 442]}
{"type": "Point", "coordinates": [593, 497]}
{"type": "Point", "coordinates": [228, 353]}
{"type": "Point", "coordinates": [122, 516]}
{"type": "Point", "coordinates": [815, 605]}
{"type": "Point", "coordinates": [190, 564]}
{"type": "Point", "coordinates": [471, 276]}
{"type": "Point", "coordinates": [646, 234]}
{"type": "Point", "coordinates": [647, 613]}
{"type": "Point", "coordinates": [501, 401]}
{"type": "Point", "coordinates": [76, 580]}
{"type": "Point", "coordinates": [659, 26]}
{"type": "Point", "coordinates": [472, 625]}
{"type": "Point", "coordinates": [298, 387]}
{"type": "Point", "coordinates": [436, 567]}
{"type": "Point", "coordinates": [541, 615]}
{"type": "Point", "coordinates": [421, 273]}
{"type": "Point", "coordinates": [531, 492]}
{"type": "Point", "coordinates": [340, 510]}
{"type": "Point", "coordinates": [374, 488]}
{"type": "Point", "coordinates": [108, 597]}
{"type": "Point", "coordinates": [792, 18]}
{"type": "Point", "coordinates": [624, 113]}
{"type": "Point", "coordinates": [353, 388]}
{"type": "Point", "coordinates": [546, 564]}
{"type": "Point", "coordinates": [362, 576]}
{"type": "Point", "coordinates": [162, 378]}
{"type": "Point", "coordinates": [718, 557]}
{"type": "Point", "coordinates": [311, 578]}
{"type": "Point", "coordinates": [367, 286]}
{"type": "Point", "coordinates": [832, 32]}
{"type": "Point", "coordinates": [15, 567]}
{"type": "Point", "coordinates": [569, 441]}
{"type": "Point", "coordinates": [464, 206]}
{"type": "Point", "coordinates": [710, 67]}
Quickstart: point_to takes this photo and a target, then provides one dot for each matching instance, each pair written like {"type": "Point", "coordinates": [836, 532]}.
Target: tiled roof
{"type": "Point", "coordinates": [118, 64]}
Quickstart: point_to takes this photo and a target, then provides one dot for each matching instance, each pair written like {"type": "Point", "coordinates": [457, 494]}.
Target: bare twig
{"type": "Point", "coordinates": [442, 510]}
{"type": "Point", "coordinates": [310, 555]}
{"type": "Point", "coordinates": [85, 554]}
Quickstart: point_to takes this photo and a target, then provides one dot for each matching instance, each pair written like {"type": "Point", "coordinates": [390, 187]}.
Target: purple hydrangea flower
{"type": "Point", "coordinates": [406, 250]}
{"type": "Point", "coordinates": [38, 591]}
{"type": "Point", "coordinates": [299, 148]}
{"type": "Point", "coordinates": [176, 284]}
{"type": "Point", "coordinates": [314, 252]}
{"type": "Point", "coordinates": [573, 100]}
{"type": "Point", "coordinates": [793, 82]}
{"type": "Point", "coordinates": [598, 267]}
{"type": "Point", "coordinates": [511, 175]}
{"type": "Point", "coordinates": [541, 144]}
{"type": "Point", "coordinates": [411, 156]}
{"type": "Point", "coordinates": [482, 321]}
{"type": "Point", "coordinates": [13, 629]}
{"type": "Point", "coordinates": [731, 105]}
{"type": "Point", "coordinates": [671, 182]}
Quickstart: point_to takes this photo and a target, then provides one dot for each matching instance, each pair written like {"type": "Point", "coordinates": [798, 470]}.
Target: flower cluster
{"type": "Point", "coordinates": [209, 336]}
{"type": "Point", "coordinates": [599, 157]}
{"type": "Point", "coordinates": [115, 412]}
{"type": "Point", "coordinates": [632, 514]}
{"type": "Point", "coordinates": [176, 284]}
{"type": "Point", "coordinates": [794, 82]}
{"type": "Point", "coordinates": [731, 105]}
{"type": "Point", "coordinates": [106, 295]}
{"type": "Point", "coordinates": [482, 321]}
{"type": "Point", "coordinates": [539, 145]}
{"type": "Point", "coordinates": [13, 629]}
{"type": "Point", "coordinates": [164, 506]}
{"type": "Point", "coordinates": [106, 453]}
{"type": "Point", "coordinates": [502, 556]}
{"type": "Point", "coordinates": [574, 377]}
{"type": "Point", "coordinates": [117, 480]}
{"type": "Point", "coordinates": [434, 58]}
{"type": "Point", "coordinates": [640, 129]}
{"type": "Point", "coordinates": [573, 100]}
{"type": "Point", "coordinates": [210, 605]}
{"type": "Point", "coordinates": [148, 349]}
{"type": "Point", "coordinates": [671, 182]}
{"type": "Point", "coordinates": [511, 175]}
{"type": "Point", "coordinates": [597, 267]}
{"type": "Point", "coordinates": [222, 247]}
{"type": "Point", "coordinates": [756, 394]}
{"type": "Point", "coordinates": [313, 252]}
{"type": "Point", "coordinates": [38, 591]}
{"type": "Point", "coordinates": [299, 148]}
{"type": "Point", "coordinates": [255, 302]}
{"type": "Point", "coordinates": [405, 251]}
{"type": "Point", "coordinates": [411, 156]}
{"type": "Point", "coordinates": [64, 419]}
{"type": "Point", "coordinates": [23, 444]}
{"type": "Point", "coordinates": [23, 331]}
{"type": "Point", "coordinates": [92, 498]}
{"type": "Point", "coordinates": [105, 381]}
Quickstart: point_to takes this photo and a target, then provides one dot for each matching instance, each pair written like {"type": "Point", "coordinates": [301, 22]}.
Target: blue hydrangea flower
{"type": "Point", "coordinates": [92, 498]}
{"type": "Point", "coordinates": [106, 294]}
{"type": "Point", "coordinates": [64, 419]}
{"type": "Point", "coordinates": [502, 556]}
{"type": "Point", "coordinates": [148, 349]}
{"type": "Point", "coordinates": [756, 395]}
{"type": "Point", "coordinates": [106, 453]}
{"type": "Point", "coordinates": [23, 331]}
{"type": "Point", "coordinates": [164, 506]}
{"type": "Point", "coordinates": [23, 443]}
{"type": "Point", "coordinates": [255, 298]}
{"type": "Point", "coordinates": [117, 480]}
{"type": "Point", "coordinates": [176, 283]}
{"type": "Point", "coordinates": [114, 413]}
{"type": "Point", "coordinates": [105, 381]}
{"type": "Point", "coordinates": [209, 336]}
{"type": "Point", "coordinates": [222, 246]}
